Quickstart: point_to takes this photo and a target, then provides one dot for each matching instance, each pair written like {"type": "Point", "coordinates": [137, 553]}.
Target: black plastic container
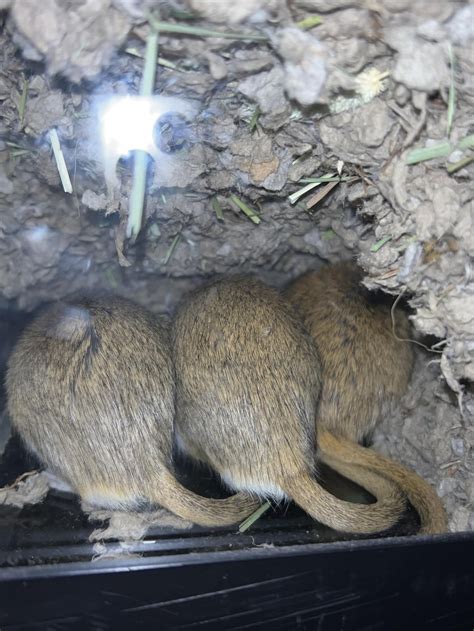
{"type": "Point", "coordinates": [396, 583]}
{"type": "Point", "coordinates": [286, 572]}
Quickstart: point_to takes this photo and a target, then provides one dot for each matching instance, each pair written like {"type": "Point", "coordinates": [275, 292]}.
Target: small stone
{"type": "Point", "coordinates": [457, 445]}
{"type": "Point", "coordinates": [372, 123]}
{"type": "Point", "coordinates": [432, 31]}
{"type": "Point", "coordinates": [44, 112]}
{"type": "Point", "coordinates": [6, 185]}
{"type": "Point", "coordinates": [233, 12]}
{"type": "Point", "coordinates": [401, 94]}
{"type": "Point", "coordinates": [447, 486]}
{"type": "Point", "coordinates": [266, 88]}
{"type": "Point", "coordinates": [420, 65]}
{"type": "Point", "coordinates": [305, 64]}
{"type": "Point", "coordinates": [459, 521]}
{"type": "Point", "coordinates": [217, 66]}
{"type": "Point", "coordinates": [461, 26]}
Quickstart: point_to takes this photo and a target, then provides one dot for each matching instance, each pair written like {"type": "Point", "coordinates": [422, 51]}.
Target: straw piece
{"type": "Point", "coordinates": [60, 161]}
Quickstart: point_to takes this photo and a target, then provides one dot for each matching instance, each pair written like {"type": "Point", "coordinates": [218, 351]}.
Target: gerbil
{"type": "Point", "coordinates": [247, 385]}
{"type": "Point", "coordinates": [91, 390]}
{"type": "Point", "coordinates": [366, 370]}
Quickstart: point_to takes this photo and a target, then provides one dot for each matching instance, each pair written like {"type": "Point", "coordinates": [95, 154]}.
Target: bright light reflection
{"type": "Point", "coordinates": [127, 122]}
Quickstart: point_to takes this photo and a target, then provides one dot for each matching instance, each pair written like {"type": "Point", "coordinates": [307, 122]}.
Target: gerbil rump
{"type": "Point", "coordinates": [91, 391]}
{"type": "Point", "coordinates": [248, 384]}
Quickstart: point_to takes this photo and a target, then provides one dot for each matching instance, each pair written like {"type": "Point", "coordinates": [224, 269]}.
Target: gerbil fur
{"type": "Point", "coordinates": [248, 385]}
{"type": "Point", "coordinates": [366, 370]}
{"type": "Point", "coordinates": [91, 390]}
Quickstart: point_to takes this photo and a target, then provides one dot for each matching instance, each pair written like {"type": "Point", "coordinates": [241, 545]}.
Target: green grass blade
{"type": "Point", "coordinates": [309, 22]}
{"type": "Point", "coordinates": [197, 31]}
{"type": "Point", "coordinates": [137, 195]}
{"type": "Point", "coordinates": [327, 178]}
{"type": "Point", "coordinates": [452, 95]}
{"type": "Point", "coordinates": [171, 249]}
{"type": "Point", "coordinates": [254, 120]}
{"type": "Point", "coordinates": [294, 197]}
{"type": "Point", "coordinates": [452, 168]}
{"type": "Point", "coordinates": [311, 183]}
{"type": "Point", "coordinates": [249, 212]}
{"type": "Point", "coordinates": [134, 52]}
{"type": "Point", "coordinates": [60, 161]}
{"type": "Point", "coordinates": [467, 142]}
{"type": "Point", "coordinates": [439, 151]}
{"type": "Point", "coordinates": [217, 209]}
{"type": "Point", "coordinates": [251, 519]}
{"type": "Point", "coordinates": [147, 84]}
{"type": "Point", "coordinates": [377, 246]}
{"type": "Point", "coordinates": [22, 105]}
{"type": "Point", "coordinates": [428, 153]}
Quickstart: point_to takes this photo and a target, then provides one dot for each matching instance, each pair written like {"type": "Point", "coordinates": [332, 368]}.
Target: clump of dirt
{"type": "Point", "coordinates": [353, 93]}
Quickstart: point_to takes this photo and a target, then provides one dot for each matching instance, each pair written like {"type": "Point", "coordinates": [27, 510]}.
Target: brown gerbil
{"type": "Point", "coordinates": [366, 370]}
{"type": "Point", "coordinates": [91, 390]}
{"type": "Point", "coordinates": [247, 386]}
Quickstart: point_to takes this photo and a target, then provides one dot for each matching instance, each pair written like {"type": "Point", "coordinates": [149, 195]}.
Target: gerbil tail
{"type": "Point", "coordinates": [354, 461]}
{"type": "Point", "coordinates": [348, 516]}
{"type": "Point", "coordinates": [203, 510]}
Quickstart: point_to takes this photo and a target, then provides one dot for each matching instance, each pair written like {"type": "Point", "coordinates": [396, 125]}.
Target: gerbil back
{"type": "Point", "coordinates": [366, 369]}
